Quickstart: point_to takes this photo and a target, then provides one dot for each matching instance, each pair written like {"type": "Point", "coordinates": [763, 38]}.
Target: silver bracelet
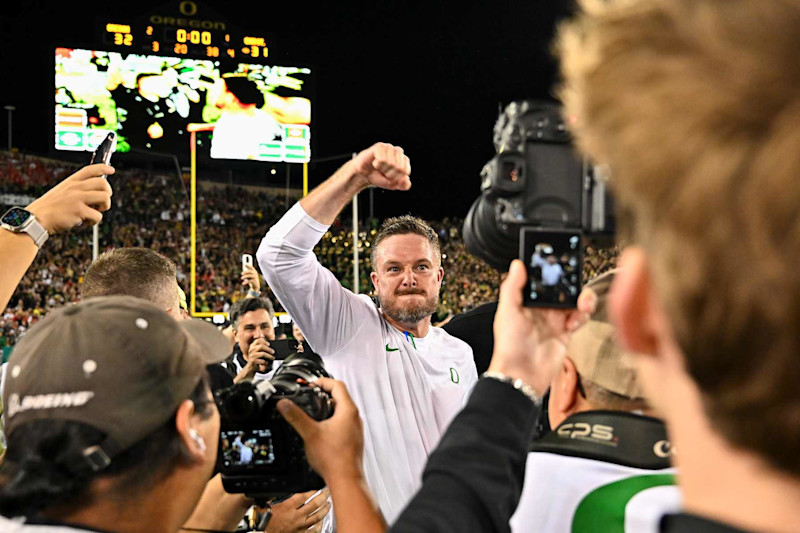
{"type": "Point", "coordinates": [518, 384]}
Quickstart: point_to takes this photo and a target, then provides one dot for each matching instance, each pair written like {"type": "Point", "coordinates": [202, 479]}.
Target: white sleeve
{"type": "Point", "coordinates": [3, 372]}
{"type": "Point", "coordinates": [328, 314]}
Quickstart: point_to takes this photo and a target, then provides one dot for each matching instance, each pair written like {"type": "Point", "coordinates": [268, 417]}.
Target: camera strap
{"type": "Point", "coordinates": [610, 436]}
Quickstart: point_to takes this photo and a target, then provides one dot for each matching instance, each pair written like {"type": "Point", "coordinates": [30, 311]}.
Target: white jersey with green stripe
{"type": "Point", "coordinates": [407, 389]}
{"type": "Point", "coordinates": [574, 494]}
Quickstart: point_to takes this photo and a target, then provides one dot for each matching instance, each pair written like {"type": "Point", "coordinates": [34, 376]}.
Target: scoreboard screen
{"type": "Point", "coordinates": [203, 39]}
{"type": "Point", "coordinates": [239, 110]}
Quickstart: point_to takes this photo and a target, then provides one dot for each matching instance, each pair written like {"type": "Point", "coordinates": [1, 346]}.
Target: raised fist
{"type": "Point", "coordinates": [385, 166]}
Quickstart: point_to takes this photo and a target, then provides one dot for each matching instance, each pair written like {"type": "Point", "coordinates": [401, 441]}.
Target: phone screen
{"type": "Point", "coordinates": [554, 260]}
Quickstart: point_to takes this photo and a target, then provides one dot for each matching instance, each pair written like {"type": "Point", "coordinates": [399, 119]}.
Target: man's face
{"type": "Point", "coordinates": [407, 278]}
{"type": "Point", "coordinates": [254, 325]}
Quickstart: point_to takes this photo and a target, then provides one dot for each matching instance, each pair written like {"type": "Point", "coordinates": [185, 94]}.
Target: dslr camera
{"type": "Point", "coordinates": [540, 203]}
{"type": "Point", "coordinates": [260, 454]}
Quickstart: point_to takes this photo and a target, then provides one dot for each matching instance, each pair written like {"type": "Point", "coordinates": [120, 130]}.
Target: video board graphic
{"type": "Point", "coordinates": [239, 111]}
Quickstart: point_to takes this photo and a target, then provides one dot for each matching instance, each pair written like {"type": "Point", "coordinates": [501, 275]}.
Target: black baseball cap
{"type": "Point", "coordinates": [116, 363]}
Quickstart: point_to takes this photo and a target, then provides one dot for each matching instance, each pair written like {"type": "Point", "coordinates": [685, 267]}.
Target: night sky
{"type": "Point", "coordinates": [428, 76]}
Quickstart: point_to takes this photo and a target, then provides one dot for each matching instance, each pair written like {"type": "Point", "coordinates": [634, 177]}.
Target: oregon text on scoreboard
{"type": "Point", "coordinates": [176, 72]}
{"type": "Point", "coordinates": [185, 33]}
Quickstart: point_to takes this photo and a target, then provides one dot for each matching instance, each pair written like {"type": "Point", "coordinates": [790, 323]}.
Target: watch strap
{"type": "Point", "coordinates": [37, 232]}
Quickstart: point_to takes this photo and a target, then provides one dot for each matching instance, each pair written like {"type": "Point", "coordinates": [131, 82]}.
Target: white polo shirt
{"type": "Point", "coordinates": [407, 389]}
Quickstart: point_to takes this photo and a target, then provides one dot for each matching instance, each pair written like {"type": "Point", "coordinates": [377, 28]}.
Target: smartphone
{"type": "Point", "coordinates": [247, 260]}
{"type": "Point", "coordinates": [554, 261]}
{"type": "Point", "coordinates": [286, 347]}
{"type": "Point", "coordinates": [104, 150]}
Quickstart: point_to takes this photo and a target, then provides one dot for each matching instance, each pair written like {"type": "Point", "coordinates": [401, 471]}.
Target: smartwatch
{"type": "Point", "coordinates": [19, 220]}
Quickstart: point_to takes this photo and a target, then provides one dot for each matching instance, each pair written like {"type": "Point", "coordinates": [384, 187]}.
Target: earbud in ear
{"type": "Point", "coordinates": [197, 439]}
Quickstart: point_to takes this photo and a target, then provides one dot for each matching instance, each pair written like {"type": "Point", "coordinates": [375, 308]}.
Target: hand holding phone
{"type": "Point", "coordinates": [64, 206]}
{"type": "Point", "coordinates": [247, 260]}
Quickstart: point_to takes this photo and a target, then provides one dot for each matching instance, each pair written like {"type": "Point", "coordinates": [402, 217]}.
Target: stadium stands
{"type": "Point", "coordinates": [152, 210]}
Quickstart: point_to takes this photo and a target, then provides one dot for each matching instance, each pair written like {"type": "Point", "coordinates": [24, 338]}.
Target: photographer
{"type": "Point", "coordinates": [407, 378]}
{"type": "Point", "coordinates": [82, 197]}
{"type": "Point", "coordinates": [473, 479]}
{"type": "Point", "coordinates": [252, 357]}
{"type": "Point", "coordinates": [144, 273]}
{"type": "Point", "coordinates": [122, 417]}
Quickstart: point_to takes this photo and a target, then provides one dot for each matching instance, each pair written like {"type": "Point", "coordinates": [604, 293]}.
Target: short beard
{"type": "Point", "coordinates": [411, 315]}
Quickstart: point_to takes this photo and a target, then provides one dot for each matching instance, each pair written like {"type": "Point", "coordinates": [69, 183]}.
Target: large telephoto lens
{"type": "Point", "coordinates": [496, 244]}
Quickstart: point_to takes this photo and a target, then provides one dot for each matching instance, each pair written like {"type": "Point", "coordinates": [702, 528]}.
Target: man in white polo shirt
{"type": "Point", "coordinates": [407, 378]}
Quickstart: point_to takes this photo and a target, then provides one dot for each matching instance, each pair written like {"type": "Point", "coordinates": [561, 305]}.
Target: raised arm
{"type": "Point", "coordinates": [82, 197]}
{"type": "Point", "coordinates": [328, 313]}
{"type": "Point", "coordinates": [381, 165]}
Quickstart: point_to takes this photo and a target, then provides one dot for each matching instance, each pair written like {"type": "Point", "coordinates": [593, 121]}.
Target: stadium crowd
{"type": "Point", "coordinates": [663, 400]}
{"type": "Point", "coordinates": [152, 211]}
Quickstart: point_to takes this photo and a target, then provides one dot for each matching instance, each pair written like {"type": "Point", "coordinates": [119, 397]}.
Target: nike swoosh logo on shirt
{"type": "Point", "coordinates": [391, 349]}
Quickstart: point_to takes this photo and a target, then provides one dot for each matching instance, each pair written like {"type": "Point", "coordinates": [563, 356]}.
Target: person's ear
{"type": "Point", "coordinates": [566, 385]}
{"type": "Point", "coordinates": [631, 304]}
{"type": "Point", "coordinates": [193, 444]}
{"type": "Point", "coordinates": [373, 276]}
{"type": "Point", "coordinates": [440, 275]}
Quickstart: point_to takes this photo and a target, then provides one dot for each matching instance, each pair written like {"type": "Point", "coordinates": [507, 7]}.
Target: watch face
{"type": "Point", "coordinates": [15, 217]}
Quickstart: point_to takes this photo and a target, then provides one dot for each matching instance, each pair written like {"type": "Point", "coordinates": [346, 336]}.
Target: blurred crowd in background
{"type": "Point", "coordinates": [153, 210]}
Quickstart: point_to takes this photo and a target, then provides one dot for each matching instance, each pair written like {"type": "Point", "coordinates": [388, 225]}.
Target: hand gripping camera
{"type": "Point", "coordinates": [539, 202]}
{"type": "Point", "coordinates": [260, 454]}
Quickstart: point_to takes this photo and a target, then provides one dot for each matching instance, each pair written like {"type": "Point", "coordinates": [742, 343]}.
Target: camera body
{"type": "Point", "coordinates": [538, 195]}
{"type": "Point", "coordinates": [259, 453]}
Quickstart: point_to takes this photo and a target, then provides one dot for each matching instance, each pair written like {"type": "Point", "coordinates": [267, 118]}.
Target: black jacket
{"type": "Point", "coordinates": [221, 374]}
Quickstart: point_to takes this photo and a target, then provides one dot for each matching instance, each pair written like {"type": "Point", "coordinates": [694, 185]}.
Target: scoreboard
{"type": "Point", "coordinates": [182, 30]}
{"type": "Point", "coordinates": [177, 71]}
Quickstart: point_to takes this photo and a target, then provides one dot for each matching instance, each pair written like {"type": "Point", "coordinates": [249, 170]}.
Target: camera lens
{"type": "Point", "coordinates": [484, 238]}
{"type": "Point", "coordinates": [243, 401]}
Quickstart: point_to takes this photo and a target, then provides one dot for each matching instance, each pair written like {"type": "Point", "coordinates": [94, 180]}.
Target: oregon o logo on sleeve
{"type": "Point", "coordinates": [454, 377]}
